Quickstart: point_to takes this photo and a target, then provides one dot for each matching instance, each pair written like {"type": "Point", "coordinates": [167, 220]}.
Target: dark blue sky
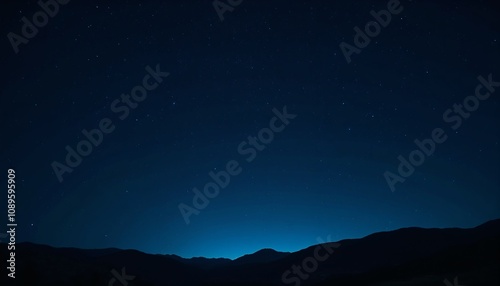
{"type": "Point", "coordinates": [322, 175]}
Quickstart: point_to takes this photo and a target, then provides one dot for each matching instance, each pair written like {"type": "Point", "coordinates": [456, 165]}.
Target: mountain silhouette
{"type": "Point", "coordinates": [262, 256]}
{"type": "Point", "coordinates": [407, 256]}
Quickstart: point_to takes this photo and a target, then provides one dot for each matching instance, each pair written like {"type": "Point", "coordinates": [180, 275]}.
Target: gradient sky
{"type": "Point", "coordinates": [321, 176]}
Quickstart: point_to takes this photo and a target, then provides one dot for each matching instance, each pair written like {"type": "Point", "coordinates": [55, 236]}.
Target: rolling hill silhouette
{"type": "Point", "coordinates": [408, 256]}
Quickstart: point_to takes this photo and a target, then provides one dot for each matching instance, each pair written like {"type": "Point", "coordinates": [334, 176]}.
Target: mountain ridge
{"type": "Point", "coordinates": [414, 252]}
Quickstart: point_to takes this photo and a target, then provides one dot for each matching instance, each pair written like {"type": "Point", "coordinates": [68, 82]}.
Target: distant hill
{"type": "Point", "coordinates": [408, 256]}
{"type": "Point", "coordinates": [262, 256]}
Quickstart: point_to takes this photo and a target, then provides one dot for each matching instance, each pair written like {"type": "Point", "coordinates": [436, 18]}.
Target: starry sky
{"type": "Point", "coordinates": [320, 176]}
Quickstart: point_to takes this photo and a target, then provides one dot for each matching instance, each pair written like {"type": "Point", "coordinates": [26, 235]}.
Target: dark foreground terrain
{"type": "Point", "coordinates": [409, 256]}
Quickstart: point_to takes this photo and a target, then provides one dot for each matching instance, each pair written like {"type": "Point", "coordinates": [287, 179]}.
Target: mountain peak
{"type": "Point", "coordinates": [266, 250]}
{"type": "Point", "coordinates": [261, 256]}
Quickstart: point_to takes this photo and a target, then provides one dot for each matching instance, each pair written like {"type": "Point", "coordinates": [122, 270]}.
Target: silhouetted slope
{"type": "Point", "coordinates": [262, 256]}
{"type": "Point", "coordinates": [409, 256]}
{"type": "Point", "coordinates": [474, 264]}
{"type": "Point", "coordinates": [44, 265]}
{"type": "Point", "coordinates": [384, 250]}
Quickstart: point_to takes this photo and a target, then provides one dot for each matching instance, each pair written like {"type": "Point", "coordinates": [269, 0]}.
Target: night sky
{"type": "Point", "coordinates": [212, 84]}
